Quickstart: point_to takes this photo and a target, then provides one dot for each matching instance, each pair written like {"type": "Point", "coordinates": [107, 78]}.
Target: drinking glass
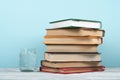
{"type": "Point", "coordinates": [27, 60]}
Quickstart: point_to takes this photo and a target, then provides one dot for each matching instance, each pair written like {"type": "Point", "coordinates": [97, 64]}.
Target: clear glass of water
{"type": "Point", "coordinates": [27, 60]}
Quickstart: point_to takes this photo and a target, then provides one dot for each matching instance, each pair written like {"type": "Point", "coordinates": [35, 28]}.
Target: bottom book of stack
{"type": "Point", "coordinates": [70, 70]}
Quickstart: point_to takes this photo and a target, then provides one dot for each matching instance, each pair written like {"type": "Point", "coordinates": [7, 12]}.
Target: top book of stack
{"type": "Point", "coordinates": [74, 23]}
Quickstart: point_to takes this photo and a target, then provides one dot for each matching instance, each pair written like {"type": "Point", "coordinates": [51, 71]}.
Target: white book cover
{"type": "Point", "coordinates": [71, 23]}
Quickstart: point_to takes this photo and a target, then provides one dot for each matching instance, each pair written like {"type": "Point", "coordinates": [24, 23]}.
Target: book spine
{"type": "Point", "coordinates": [65, 72]}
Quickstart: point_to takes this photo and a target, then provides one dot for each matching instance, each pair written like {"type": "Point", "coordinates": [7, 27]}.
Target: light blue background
{"type": "Point", "coordinates": [23, 24]}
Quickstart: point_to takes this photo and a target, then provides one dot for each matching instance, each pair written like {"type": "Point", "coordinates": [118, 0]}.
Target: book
{"type": "Point", "coordinates": [71, 48]}
{"type": "Point", "coordinates": [70, 23]}
{"type": "Point", "coordinates": [72, 40]}
{"type": "Point", "coordinates": [70, 64]}
{"type": "Point", "coordinates": [72, 70]}
{"type": "Point", "coordinates": [75, 32]}
{"type": "Point", "coordinates": [71, 56]}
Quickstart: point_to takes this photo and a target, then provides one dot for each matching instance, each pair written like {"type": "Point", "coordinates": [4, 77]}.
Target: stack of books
{"type": "Point", "coordinates": [72, 47]}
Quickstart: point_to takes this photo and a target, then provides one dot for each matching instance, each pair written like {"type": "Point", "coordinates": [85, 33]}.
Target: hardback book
{"type": "Point", "coordinates": [72, 56]}
{"type": "Point", "coordinates": [72, 40]}
{"type": "Point", "coordinates": [70, 64]}
{"type": "Point", "coordinates": [75, 32]}
{"type": "Point", "coordinates": [71, 48]}
{"type": "Point", "coordinates": [72, 70]}
{"type": "Point", "coordinates": [76, 23]}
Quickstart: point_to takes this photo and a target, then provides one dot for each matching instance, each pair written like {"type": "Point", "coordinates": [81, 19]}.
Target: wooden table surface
{"type": "Point", "coordinates": [15, 74]}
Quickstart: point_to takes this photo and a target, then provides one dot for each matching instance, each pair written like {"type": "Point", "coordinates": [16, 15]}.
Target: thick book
{"type": "Point", "coordinates": [71, 48]}
{"type": "Point", "coordinates": [70, 64]}
{"type": "Point", "coordinates": [75, 32]}
{"type": "Point", "coordinates": [70, 23]}
{"type": "Point", "coordinates": [72, 40]}
{"type": "Point", "coordinates": [72, 56]}
{"type": "Point", "coordinates": [72, 70]}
